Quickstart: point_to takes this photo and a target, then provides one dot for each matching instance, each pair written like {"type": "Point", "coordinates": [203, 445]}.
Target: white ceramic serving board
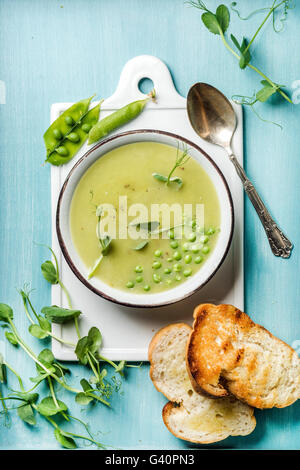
{"type": "Point", "coordinates": [127, 331]}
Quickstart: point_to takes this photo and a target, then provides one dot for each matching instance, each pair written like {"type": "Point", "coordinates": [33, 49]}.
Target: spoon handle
{"type": "Point", "coordinates": [279, 243]}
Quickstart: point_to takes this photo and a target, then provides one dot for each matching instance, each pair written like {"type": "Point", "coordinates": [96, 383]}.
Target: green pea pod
{"type": "Point", "coordinates": [118, 119]}
{"type": "Point", "coordinates": [69, 131]}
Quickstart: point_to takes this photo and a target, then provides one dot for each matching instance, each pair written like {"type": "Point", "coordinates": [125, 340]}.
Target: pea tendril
{"type": "Point", "coordinates": [49, 371]}
{"type": "Point", "coordinates": [181, 159]}
{"type": "Point", "coordinates": [218, 23]}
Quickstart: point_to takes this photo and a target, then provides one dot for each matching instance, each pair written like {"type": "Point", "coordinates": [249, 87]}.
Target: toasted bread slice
{"type": "Point", "coordinates": [191, 416]}
{"type": "Point", "coordinates": [228, 353]}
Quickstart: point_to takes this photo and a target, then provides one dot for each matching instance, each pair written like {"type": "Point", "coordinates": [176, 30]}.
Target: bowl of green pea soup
{"type": "Point", "coordinates": [145, 218]}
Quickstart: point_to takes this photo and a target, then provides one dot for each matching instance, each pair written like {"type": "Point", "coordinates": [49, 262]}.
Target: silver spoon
{"type": "Point", "coordinates": [214, 120]}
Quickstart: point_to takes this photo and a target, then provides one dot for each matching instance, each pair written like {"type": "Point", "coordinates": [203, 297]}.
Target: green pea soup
{"type": "Point", "coordinates": [162, 263]}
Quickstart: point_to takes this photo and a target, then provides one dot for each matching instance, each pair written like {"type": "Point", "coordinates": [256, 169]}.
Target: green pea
{"type": "Point", "coordinates": [157, 253]}
{"type": "Point", "coordinates": [177, 256]}
{"type": "Point", "coordinates": [174, 244]}
{"type": "Point", "coordinates": [187, 259]}
{"type": "Point", "coordinates": [192, 237]}
{"type": "Point", "coordinates": [130, 284]}
{"type": "Point", "coordinates": [69, 120]}
{"type": "Point", "coordinates": [194, 224]}
{"type": "Point", "coordinates": [156, 278]}
{"type": "Point", "coordinates": [170, 260]}
{"type": "Point", "coordinates": [187, 272]}
{"type": "Point", "coordinates": [177, 267]}
{"type": "Point", "coordinates": [210, 231]}
{"type": "Point", "coordinates": [205, 250]}
{"type": "Point", "coordinates": [86, 128]}
{"type": "Point", "coordinates": [139, 269]}
{"type": "Point", "coordinates": [62, 151]}
{"type": "Point", "coordinates": [168, 281]}
{"type": "Point", "coordinates": [117, 119]}
{"type": "Point", "coordinates": [146, 287]}
{"type": "Point", "coordinates": [198, 259]}
{"type": "Point", "coordinates": [156, 265]}
{"type": "Point", "coordinates": [139, 279]}
{"type": "Point", "coordinates": [167, 270]}
{"type": "Point", "coordinates": [57, 134]}
{"type": "Point", "coordinates": [73, 137]}
{"type": "Point", "coordinates": [204, 239]}
{"type": "Point", "coordinates": [178, 278]}
{"type": "Point", "coordinates": [171, 234]}
{"type": "Point", "coordinates": [186, 247]}
{"type": "Point", "coordinates": [195, 248]}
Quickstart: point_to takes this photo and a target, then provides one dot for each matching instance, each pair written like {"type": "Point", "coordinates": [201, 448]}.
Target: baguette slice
{"type": "Point", "coordinates": [191, 416]}
{"type": "Point", "coordinates": [228, 353]}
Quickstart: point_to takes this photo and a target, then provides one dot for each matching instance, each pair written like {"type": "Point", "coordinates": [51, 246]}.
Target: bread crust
{"type": "Point", "coordinates": [178, 412]}
{"type": "Point", "coordinates": [167, 411]}
{"type": "Point", "coordinates": [155, 340]}
{"type": "Point", "coordinates": [221, 359]}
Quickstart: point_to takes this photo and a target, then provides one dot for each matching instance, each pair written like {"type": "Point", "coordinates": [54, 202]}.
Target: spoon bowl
{"type": "Point", "coordinates": [211, 114]}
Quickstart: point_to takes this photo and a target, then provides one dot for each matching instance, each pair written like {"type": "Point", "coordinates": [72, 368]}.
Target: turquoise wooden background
{"type": "Point", "coordinates": [64, 50]}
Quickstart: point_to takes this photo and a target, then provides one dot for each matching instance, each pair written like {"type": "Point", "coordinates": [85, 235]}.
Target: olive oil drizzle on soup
{"type": "Point", "coordinates": [127, 171]}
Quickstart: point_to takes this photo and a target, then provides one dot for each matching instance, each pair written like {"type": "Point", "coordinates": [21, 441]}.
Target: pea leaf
{"type": "Point", "coordinates": [2, 370]}
{"type": "Point", "coordinates": [105, 245]}
{"type": "Point", "coordinates": [47, 359]}
{"type": "Point", "coordinates": [82, 349]}
{"type": "Point", "coordinates": [245, 57]}
{"type": "Point", "coordinates": [160, 177]}
{"type": "Point", "coordinates": [49, 272]}
{"type": "Point", "coordinates": [217, 22]}
{"type": "Point", "coordinates": [223, 17]}
{"type": "Point", "coordinates": [47, 407]}
{"type": "Point", "coordinates": [60, 315]}
{"type": "Point", "coordinates": [141, 245]}
{"type": "Point", "coordinates": [11, 337]}
{"type": "Point", "coordinates": [28, 397]}
{"type": "Point", "coordinates": [41, 376]}
{"type": "Point", "coordinates": [37, 331]}
{"type": "Point", "coordinates": [211, 22]}
{"type": "Point", "coordinates": [82, 399]}
{"type": "Point", "coordinates": [60, 370]}
{"type": "Point", "coordinates": [6, 313]}
{"type": "Point", "coordinates": [65, 441]}
{"type": "Point", "coordinates": [176, 179]}
{"type": "Point", "coordinates": [235, 42]}
{"type": "Point", "coordinates": [95, 339]}
{"type": "Point", "coordinates": [85, 385]}
{"type": "Point", "coordinates": [105, 241]}
{"type": "Point", "coordinates": [147, 226]}
{"type": "Point", "coordinates": [90, 343]}
{"type": "Point", "coordinates": [266, 92]}
{"type": "Point", "coordinates": [165, 179]}
{"type": "Point", "coordinates": [44, 323]}
{"type": "Point", "coordinates": [46, 356]}
{"type": "Point", "coordinates": [26, 413]}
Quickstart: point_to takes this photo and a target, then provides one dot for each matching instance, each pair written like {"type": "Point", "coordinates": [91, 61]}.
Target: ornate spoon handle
{"type": "Point", "coordinates": [279, 243]}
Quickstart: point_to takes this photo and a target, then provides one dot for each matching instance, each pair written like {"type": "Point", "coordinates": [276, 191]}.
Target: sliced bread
{"type": "Point", "coordinates": [228, 353]}
{"type": "Point", "coordinates": [189, 415]}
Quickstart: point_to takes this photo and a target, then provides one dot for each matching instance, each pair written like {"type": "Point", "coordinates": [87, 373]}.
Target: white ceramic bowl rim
{"type": "Point", "coordinates": [192, 284]}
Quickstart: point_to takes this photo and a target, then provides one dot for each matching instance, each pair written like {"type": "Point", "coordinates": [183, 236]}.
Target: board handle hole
{"type": "Point", "coordinates": [145, 85]}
